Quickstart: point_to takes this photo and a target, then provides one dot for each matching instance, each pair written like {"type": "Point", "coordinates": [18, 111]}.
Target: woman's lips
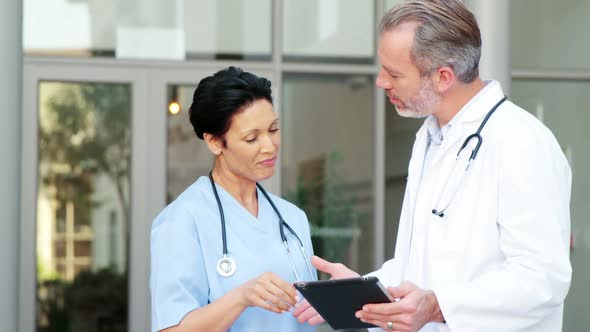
{"type": "Point", "coordinates": [269, 162]}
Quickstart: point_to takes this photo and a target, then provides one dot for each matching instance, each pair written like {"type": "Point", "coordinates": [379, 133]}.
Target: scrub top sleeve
{"type": "Point", "coordinates": [178, 278]}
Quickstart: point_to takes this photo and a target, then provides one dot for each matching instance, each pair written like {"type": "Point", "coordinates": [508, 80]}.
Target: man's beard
{"type": "Point", "coordinates": [422, 103]}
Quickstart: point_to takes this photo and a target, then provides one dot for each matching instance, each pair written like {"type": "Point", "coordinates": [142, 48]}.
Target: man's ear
{"type": "Point", "coordinates": [443, 79]}
{"type": "Point", "coordinates": [214, 143]}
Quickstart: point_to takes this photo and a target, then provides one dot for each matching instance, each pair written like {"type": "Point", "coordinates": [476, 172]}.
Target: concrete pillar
{"type": "Point", "coordinates": [10, 154]}
{"type": "Point", "coordinates": [493, 18]}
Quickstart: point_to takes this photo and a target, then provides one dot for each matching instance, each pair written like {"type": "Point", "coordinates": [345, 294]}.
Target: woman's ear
{"type": "Point", "coordinates": [214, 143]}
{"type": "Point", "coordinates": [443, 79]}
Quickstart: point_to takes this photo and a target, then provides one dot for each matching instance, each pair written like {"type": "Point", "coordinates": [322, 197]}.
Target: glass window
{"type": "Point", "coordinates": [400, 134]}
{"type": "Point", "coordinates": [154, 29]}
{"type": "Point", "coordinates": [329, 30]}
{"type": "Point", "coordinates": [84, 171]}
{"type": "Point", "coordinates": [544, 35]}
{"type": "Point", "coordinates": [188, 157]}
{"type": "Point", "coordinates": [391, 3]}
{"type": "Point", "coordinates": [327, 134]}
{"type": "Point", "coordinates": [562, 106]}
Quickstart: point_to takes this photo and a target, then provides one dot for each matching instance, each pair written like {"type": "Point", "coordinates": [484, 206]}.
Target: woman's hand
{"type": "Point", "coordinates": [304, 312]}
{"type": "Point", "coordinates": [268, 291]}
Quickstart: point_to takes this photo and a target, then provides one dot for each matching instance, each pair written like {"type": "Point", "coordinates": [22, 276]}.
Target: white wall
{"type": "Point", "coordinates": [334, 28]}
{"type": "Point", "coordinates": [228, 26]}
{"type": "Point", "coordinates": [49, 24]}
{"type": "Point", "coordinates": [210, 26]}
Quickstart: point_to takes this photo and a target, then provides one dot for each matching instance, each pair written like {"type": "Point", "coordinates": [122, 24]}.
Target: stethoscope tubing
{"type": "Point", "coordinates": [477, 134]}
{"type": "Point", "coordinates": [224, 239]}
{"type": "Point", "coordinates": [282, 225]}
{"type": "Point", "coordinates": [479, 138]}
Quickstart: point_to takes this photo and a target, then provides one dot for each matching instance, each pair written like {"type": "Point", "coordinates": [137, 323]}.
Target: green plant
{"type": "Point", "coordinates": [329, 207]}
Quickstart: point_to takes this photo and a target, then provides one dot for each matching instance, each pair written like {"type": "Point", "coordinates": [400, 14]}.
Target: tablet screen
{"type": "Point", "coordinates": [338, 300]}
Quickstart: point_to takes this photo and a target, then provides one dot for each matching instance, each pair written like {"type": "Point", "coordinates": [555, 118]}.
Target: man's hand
{"type": "Point", "coordinates": [304, 312]}
{"type": "Point", "coordinates": [416, 307]}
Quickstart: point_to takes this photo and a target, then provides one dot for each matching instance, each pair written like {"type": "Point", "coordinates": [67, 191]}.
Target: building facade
{"type": "Point", "coordinates": [97, 139]}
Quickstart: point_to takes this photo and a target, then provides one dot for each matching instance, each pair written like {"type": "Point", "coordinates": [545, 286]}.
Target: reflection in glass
{"type": "Point", "coordinates": [391, 3]}
{"type": "Point", "coordinates": [399, 138]}
{"type": "Point", "coordinates": [327, 158]}
{"type": "Point", "coordinates": [329, 30]}
{"type": "Point", "coordinates": [551, 42]}
{"type": "Point", "coordinates": [563, 107]}
{"type": "Point", "coordinates": [188, 157]}
{"type": "Point", "coordinates": [84, 170]}
{"type": "Point", "coordinates": [159, 29]}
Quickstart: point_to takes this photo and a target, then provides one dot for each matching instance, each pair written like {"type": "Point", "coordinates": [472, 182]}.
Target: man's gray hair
{"type": "Point", "coordinates": [447, 35]}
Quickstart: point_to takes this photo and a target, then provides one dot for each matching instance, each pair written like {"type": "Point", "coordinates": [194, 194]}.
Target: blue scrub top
{"type": "Point", "coordinates": [186, 243]}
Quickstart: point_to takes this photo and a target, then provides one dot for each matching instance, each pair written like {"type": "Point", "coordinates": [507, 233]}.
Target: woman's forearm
{"type": "Point", "coordinates": [216, 316]}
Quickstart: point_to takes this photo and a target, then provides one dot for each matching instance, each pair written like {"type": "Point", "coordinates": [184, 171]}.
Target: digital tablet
{"type": "Point", "coordinates": [338, 300]}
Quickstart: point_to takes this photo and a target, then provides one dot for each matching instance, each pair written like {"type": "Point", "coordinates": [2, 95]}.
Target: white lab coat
{"type": "Point", "coordinates": [499, 259]}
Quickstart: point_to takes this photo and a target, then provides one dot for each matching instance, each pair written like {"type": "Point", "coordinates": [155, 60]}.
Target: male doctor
{"type": "Point", "coordinates": [482, 249]}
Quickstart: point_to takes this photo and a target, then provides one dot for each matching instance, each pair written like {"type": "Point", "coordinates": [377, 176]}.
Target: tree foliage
{"type": "Point", "coordinates": [84, 131]}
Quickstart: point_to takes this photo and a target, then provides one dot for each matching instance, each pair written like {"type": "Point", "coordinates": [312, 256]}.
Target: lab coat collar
{"type": "Point", "coordinates": [465, 121]}
{"type": "Point", "coordinates": [474, 110]}
{"type": "Point", "coordinates": [477, 108]}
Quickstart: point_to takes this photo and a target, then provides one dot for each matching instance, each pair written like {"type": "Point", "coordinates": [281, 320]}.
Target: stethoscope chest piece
{"type": "Point", "coordinates": [226, 266]}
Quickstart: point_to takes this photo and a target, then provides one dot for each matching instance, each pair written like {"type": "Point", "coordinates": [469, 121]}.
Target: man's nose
{"type": "Point", "coordinates": [382, 82]}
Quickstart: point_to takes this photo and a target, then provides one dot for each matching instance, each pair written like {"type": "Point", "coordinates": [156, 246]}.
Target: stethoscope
{"type": "Point", "coordinates": [476, 136]}
{"type": "Point", "coordinates": [226, 266]}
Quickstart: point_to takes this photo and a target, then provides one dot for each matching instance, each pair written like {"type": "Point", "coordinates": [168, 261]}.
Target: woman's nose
{"type": "Point", "coordinates": [268, 144]}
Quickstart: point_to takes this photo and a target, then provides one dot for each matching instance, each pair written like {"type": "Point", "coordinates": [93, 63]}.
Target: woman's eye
{"type": "Point", "coordinates": [250, 140]}
{"type": "Point", "coordinates": [272, 130]}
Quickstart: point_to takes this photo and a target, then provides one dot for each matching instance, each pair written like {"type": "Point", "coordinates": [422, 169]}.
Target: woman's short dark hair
{"type": "Point", "coordinates": [220, 96]}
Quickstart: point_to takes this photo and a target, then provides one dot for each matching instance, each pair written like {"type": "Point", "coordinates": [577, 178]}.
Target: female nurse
{"type": "Point", "coordinates": [218, 259]}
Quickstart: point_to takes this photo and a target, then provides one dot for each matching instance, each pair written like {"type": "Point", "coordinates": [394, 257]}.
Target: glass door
{"type": "Point", "coordinates": [105, 148]}
{"type": "Point", "coordinates": [83, 135]}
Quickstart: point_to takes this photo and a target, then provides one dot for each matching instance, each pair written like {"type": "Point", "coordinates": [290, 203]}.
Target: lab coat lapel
{"type": "Point", "coordinates": [417, 160]}
{"type": "Point", "coordinates": [404, 238]}
{"type": "Point", "coordinates": [451, 141]}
